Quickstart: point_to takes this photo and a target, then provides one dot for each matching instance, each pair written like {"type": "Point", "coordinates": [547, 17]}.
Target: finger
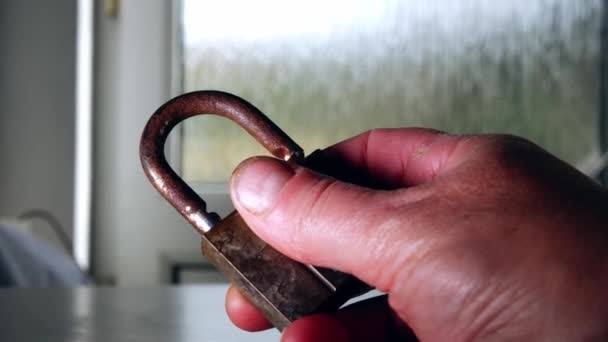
{"type": "Point", "coordinates": [244, 314]}
{"type": "Point", "coordinates": [389, 158]}
{"type": "Point", "coordinates": [326, 215]}
{"type": "Point", "coordinates": [308, 216]}
{"type": "Point", "coordinates": [368, 320]}
{"type": "Point", "coordinates": [318, 328]}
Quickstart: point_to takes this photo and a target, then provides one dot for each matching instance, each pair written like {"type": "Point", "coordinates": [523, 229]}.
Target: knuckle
{"type": "Point", "coordinates": [319, 202]}
{"type": "Point", "coordinates": [309, 213]}
{"type": "Point", "coordinates": [506, 155]}
{"type": "Point", "coordinates": [509, 148]}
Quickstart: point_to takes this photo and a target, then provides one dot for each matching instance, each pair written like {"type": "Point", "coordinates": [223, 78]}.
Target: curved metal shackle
{"type": "Point", "coordinates": [154, 136]}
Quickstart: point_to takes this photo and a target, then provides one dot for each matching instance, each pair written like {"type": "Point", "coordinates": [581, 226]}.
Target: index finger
{"type": "Point", "coordinates": [388, 158]}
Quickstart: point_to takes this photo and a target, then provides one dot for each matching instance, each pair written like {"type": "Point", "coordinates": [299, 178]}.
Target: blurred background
{"type": "Point", "coordinates": [79, 79]}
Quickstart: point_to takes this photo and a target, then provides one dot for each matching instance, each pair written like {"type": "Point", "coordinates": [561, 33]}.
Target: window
{"type": "Point", "coordinates": [327, 70]}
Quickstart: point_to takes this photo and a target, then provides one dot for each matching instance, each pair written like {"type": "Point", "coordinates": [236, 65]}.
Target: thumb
{"type": "Point", "coordinates": [317, 219]}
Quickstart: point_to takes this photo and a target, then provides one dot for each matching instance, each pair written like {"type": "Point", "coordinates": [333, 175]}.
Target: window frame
{"type": "Point", "coordinates": [173, 148]}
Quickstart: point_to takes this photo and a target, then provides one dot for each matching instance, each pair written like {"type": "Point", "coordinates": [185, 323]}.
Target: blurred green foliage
{"type": "Point", "coordinates": [536, 78]}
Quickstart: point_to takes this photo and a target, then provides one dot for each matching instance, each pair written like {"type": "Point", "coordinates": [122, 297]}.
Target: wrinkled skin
{"type": "Point", "coordinates": [473, 238]}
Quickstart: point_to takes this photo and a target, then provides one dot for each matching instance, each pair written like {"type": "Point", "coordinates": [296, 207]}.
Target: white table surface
{"type": "Point", "coordinates": [177, 314]}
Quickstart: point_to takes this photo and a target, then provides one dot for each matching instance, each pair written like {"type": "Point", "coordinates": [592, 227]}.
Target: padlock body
{"type": "Point", "coordinates": [283, 289]}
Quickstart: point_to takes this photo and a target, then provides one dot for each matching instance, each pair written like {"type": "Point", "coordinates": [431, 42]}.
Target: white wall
{"type": "Point", "coordinates": [132, 225]}
{"type": "Point", "coordinates": [37, 107]}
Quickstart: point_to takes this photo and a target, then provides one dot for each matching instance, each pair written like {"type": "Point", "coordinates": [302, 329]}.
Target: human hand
{"type": "Point", "coordinates": [472, 238]}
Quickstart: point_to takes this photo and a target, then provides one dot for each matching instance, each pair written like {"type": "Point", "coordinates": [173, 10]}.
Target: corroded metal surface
{"type": "Point", "coordinates": [153, 138]}
{"type": "Point", "coordinates": [283, 289]}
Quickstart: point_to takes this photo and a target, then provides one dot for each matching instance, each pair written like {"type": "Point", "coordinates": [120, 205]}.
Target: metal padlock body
{"type": "Point", "coordinates": [281, 288]}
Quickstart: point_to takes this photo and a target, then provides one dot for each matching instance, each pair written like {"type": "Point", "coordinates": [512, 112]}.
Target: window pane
{"type": "Point", "coordinates": [326, 70]}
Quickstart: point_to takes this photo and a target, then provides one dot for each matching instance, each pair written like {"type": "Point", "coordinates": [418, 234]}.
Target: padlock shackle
{"type": "Point", "coordinates": [154, 136]}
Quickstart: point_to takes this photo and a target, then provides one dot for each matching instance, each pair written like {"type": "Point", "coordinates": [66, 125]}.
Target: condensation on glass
{"type": "Point", "coordinates": [327, 70]}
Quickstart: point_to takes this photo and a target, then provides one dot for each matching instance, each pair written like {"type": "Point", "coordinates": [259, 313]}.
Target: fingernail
{"type": "Point", "coordinates": [257, 182]}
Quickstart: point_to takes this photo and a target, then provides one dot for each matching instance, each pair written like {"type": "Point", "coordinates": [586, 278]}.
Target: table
{"type": "Point", "coordinates": [176, 314]}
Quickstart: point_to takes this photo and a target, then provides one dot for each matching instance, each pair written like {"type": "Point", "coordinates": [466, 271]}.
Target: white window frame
{"type": "Point", "coordinates": [174, 143]}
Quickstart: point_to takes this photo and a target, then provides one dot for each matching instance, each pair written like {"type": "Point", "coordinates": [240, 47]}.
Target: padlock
{"type": "Point", "coordinates": [281, 288]}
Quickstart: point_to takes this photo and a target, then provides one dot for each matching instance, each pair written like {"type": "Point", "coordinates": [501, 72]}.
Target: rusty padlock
{"type": "Point", "coordinates": [281, 288]}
